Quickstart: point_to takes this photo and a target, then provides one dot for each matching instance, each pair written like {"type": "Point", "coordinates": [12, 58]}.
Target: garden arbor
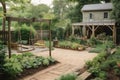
{"type": "Point", "coordinates": [30, 20]}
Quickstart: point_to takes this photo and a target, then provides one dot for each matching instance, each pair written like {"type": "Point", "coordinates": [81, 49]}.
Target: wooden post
{"type": "Point", "coordinates": [93, 31]}
{"type": "Point", "coordinates": [84, 31]}
{"type": "Point", "coordinates": [9, 37]}
{"type": "Point", "coordinates": [114, 34]}
{"type": "Point", "coordinates": [72, 30]}
{"type": "Point", "coordinates": [50, 38]}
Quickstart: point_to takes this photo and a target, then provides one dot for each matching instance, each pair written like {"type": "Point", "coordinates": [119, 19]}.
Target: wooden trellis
{"type": "Point", "coordinates": [10, 19]}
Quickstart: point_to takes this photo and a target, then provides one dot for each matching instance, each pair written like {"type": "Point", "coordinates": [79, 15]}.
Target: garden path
{"type": "Point", "coordinates": [70, 61]}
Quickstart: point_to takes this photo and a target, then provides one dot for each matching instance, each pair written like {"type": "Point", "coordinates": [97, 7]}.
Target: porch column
{"type": "Point", "coordinates": [84, 31]}
{"type": "Point", "coordinates": [73, 30]}
{"type": "Point", "coordinates": [93, 31]}
{"type": "Point", "coordinates": [114, 34]}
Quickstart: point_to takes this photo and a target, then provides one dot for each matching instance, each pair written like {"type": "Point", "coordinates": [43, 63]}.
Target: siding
{"type": "Point", "coordinates": [97, 16]}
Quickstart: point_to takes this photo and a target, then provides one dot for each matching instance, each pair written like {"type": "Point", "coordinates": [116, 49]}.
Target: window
{"type": "Point", "coordinates": [105, 14]}
{"type": "Point", "coordinates": [91, 16]}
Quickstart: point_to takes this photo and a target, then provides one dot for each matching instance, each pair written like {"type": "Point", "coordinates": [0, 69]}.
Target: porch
{"type": "Point", "coordinates": [90, 28]}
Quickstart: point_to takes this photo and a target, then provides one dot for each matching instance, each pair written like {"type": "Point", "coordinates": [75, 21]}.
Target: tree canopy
{"type": "Point", "coordinates": [116, 10]}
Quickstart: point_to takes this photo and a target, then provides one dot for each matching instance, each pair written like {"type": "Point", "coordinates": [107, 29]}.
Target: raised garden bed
{"type": "Point", "coordinates": [105, 66]}
{"type": "Point", "coordinates": [19, 66]}
{"type": "Point", "coordinates": [71, 48]}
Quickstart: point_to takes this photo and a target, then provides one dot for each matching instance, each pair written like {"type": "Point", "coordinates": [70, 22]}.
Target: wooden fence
{"type": "Point", "coordinates": [5, 34]}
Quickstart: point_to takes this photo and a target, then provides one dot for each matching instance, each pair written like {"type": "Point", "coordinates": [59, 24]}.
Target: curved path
{"type": "Point", "coordinates": [70, 61]}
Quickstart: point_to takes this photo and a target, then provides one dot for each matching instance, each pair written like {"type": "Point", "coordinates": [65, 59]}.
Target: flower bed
{"type": "Point", "coordinates": [105, 67]}
{"type": "Point", "coordinates": [70, 45]}
{"type": "Point", "coordinates": [26, 64]}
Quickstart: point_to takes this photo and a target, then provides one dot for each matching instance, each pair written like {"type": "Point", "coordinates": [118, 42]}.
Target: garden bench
{"type": "Point", "coordinates": [40, 43]}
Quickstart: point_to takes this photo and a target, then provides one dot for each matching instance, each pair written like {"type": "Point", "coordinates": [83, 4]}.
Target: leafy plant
{"type": "Point", "coordinates": [46, 62]}
{"type": "Point", "coordinates": [2, 57]}
{"type": "Point", "coordinates": [68, 77]}
{"type": "Point", "coordinates": [25, 32]}
{"type": "Point", "coordinates": [51, 60]}
{"type": "Point", "coordinates": [12, 67]}
{"type": "Point", "coordinates": [18, 63]}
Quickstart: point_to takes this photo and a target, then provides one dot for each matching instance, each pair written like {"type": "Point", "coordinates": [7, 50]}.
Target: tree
{"type": "Point", "coordinates": [116, 10]}
{"type": "Point", "coordinates": [77, 14]}
{"type": "Point", "coordinates": [3, 2]}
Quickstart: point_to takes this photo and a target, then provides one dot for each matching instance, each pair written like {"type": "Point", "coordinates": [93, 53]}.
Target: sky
{"type": "Point", "coordinates": [47, 2]}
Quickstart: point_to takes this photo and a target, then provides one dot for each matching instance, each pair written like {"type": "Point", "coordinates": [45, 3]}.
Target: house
{"type": "Point", "coordinates": [96, 20]}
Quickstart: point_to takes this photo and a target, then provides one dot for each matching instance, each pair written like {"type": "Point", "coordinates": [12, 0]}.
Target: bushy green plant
{"type": "Point", "coordinates": [94, 65]}
{"type": "Point", "coordinates": [25, 32]}
{"type": "Point", "coordinates": [60, 33]}
{"type": "Point", "coordinates": [83, 42]}
{"type": "Point", "coordinates": [98, 48]}
{"type": "Point", "coordinates": [2, 57]}
{"type": "Point", "coordinates": [51, 60]}
{"type": "Point", "coordinates": [18, 63]}
{"type": "Point", "coordinates": [46, 62]}
{"type": "Point", "coordinates": [68, 77]}
{"type": "Point", "coordinates": [70, 45]}
{"type": "Point", "coordinates": [103, 65]}
{"type": "Point", "coordinates": [12, 67]}
{"type": "Point", "coordinates": [93, 42]}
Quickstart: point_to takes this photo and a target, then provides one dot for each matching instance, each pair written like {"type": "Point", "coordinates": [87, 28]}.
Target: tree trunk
{"type": "Point", "coordinates": [4, 19]}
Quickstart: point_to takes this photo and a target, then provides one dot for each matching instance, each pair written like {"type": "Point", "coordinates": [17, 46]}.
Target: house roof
{"type": "Point", "coordinates": [97, 7]}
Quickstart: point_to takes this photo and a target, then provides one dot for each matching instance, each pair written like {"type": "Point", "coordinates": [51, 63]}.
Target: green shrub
{"type": "Point", "coordinates": [68, 77]}
{"type": "Point", "coordinates": [46, 62]}
{"type": "Point", "coordinates": [51, 60]}
{"type": "Point", "coordinates": [25, 32]}
{"type": "Point", "coordinates": [12, 67]}
{"type": "Point", "coordinates": [69, 45]}
{"type": "Point", "coordinates": [2, 57]}
{"type": "Point", "coordinates": [103, 75]}
{"type": "Point", "coordinates": [98, 48]}
{"type": "Point", "coordinates": [18, 63]}
{"type": "Point", "coordinates": [93, 42]}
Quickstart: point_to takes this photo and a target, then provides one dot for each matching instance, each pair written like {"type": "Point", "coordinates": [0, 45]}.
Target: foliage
{"type": "Point", "coordinates": [71, 45]}
{"type": "Point", "coordinates": [98, 48]}
{"type": "Point", "coordinates": [18, 63]}
{"type": "Point", "coordinates": [25, 32]}
{"type": "Point", "coordinates": [116, 11]}
{"type": "Point", "coordinates": [102, 47]}
{"type": "Point", "coordinates": [76, 14]}
{"type": "Point", "coordinates": [93, 41]}
{"type": "Point", "coordinates": [60, 33]}
{"type": "Point", "coordinates": [12, 67]}
{"type": "Point", "coordinates": [103, 65]}
{"type": "Point", "coordinates": [73, 39]}
{"type": "Point", "coordinates": [2, 57]}
{"type": "Point", "coordinates": [104, 37]}
{"type": "Point", "coordinates": [46, 62]}
{"type": "Point", "coordinates": [68, 77]}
